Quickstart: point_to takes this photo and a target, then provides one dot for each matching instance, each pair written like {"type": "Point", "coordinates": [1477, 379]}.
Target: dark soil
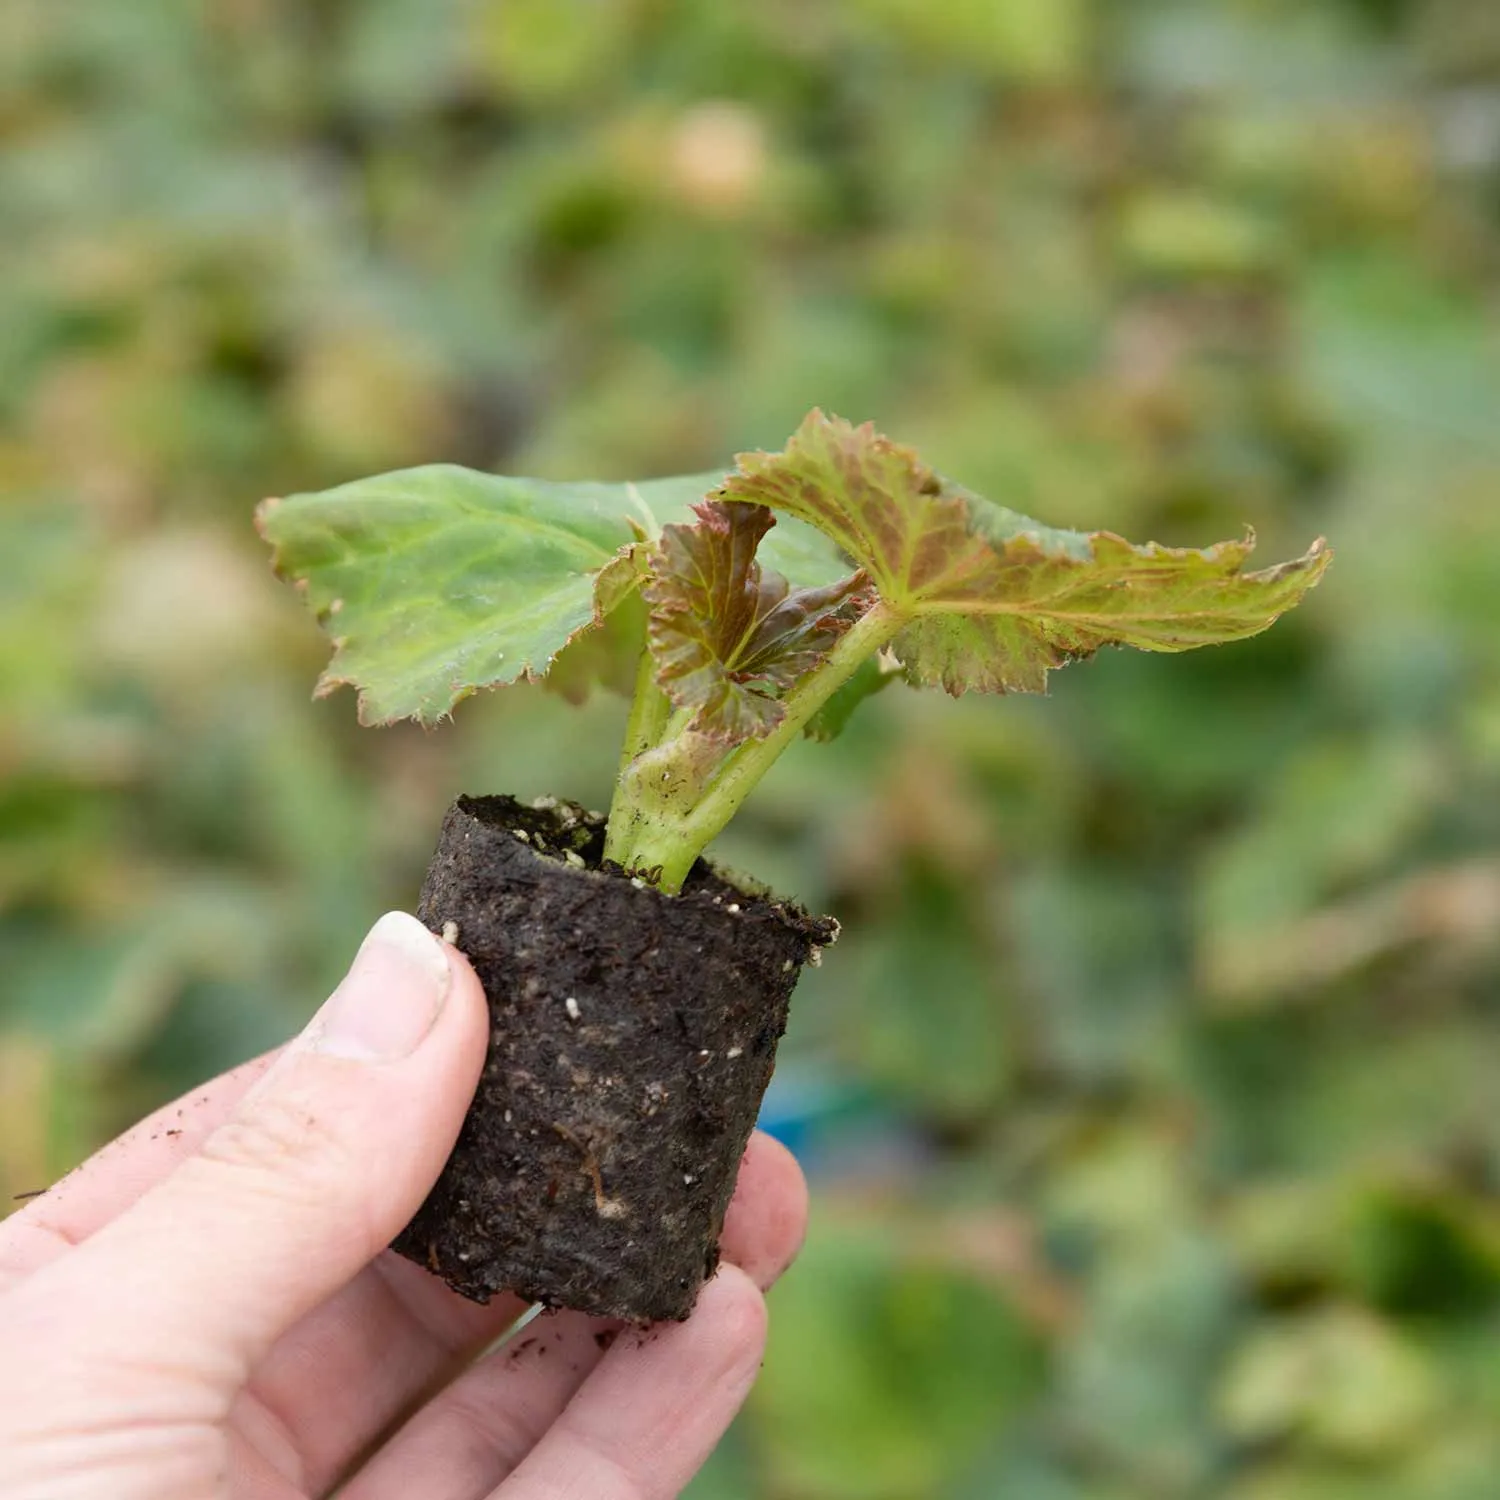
{"type": "Point", "coordinates": [633, 1035]}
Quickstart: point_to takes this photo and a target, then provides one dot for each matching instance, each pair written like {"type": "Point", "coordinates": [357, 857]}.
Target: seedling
{"type": "Point", "coordinates": [747, 610]}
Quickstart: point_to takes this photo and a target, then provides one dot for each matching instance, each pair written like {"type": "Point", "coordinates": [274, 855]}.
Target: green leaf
{"type": "Point", "coordinates": [993, 600]}
{"type": "Point", "coordinates": [730, 638]}
{"type": "Point", "coordinates": [435, 582]}
{"type": "Point", "coordinates": [438, 581]}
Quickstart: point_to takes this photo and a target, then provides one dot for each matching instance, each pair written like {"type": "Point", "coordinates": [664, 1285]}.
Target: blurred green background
{"type": "Point", "coordinates": [1152, 1094]}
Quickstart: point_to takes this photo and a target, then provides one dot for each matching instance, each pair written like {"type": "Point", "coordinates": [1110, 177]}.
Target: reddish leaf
{"type": "Point", "coordinates": [990, 599]}
{"type": "Point", "coordinates": [876, 499]}
{"type": "Point", "coordinates": [729, 637]}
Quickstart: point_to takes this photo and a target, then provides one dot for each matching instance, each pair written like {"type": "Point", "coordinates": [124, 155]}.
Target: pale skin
{"type": "Point", "coordinates": [205, 1310]}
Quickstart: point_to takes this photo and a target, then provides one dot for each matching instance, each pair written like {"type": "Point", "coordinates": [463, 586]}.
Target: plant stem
{"type": "Point", "coordinates": [673, 840]}
{"type": "Point", "coordinates": [650, 716]}
{"type": "Point", "coordinates": [650, 712]}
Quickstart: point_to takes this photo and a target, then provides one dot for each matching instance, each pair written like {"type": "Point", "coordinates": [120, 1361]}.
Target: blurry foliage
{"type": "Point", "coordinates": [1171, 1005]}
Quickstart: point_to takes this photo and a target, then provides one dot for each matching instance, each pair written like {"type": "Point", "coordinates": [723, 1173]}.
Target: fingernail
{"type": "Point", "coordinates": [390, 998]}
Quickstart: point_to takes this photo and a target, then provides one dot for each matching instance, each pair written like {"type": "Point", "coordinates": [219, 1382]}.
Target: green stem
{"type": "Point", "coordinates": [650, 712]}
{"type": "Point", "coordinates": [650, 715]}
{"type": "Point", "coordinates": [675, 841]}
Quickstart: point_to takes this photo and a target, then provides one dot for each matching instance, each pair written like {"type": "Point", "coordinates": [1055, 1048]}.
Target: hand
{"type": "Point", "coordinates": [206, 1307]}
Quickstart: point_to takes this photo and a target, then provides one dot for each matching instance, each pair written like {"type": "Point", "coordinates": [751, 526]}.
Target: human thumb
{"type": "Point", "coordinates": [321, 1164]}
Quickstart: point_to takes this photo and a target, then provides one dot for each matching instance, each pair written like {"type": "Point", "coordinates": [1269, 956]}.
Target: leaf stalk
{"type": "Point", "coordinates": [665, 812]}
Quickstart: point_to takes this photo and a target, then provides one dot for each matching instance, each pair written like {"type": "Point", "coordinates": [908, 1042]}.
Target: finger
{"type": "Point", "coordinates": [767, 1218]}
{"type": "Point", "coordinates": [321, 1163]}
{"type": "Point", "coordinates": [648, 1417]}
{"type": "Point", "coordinates": [353, 1367]}
{"type": "Point", "coordinates": [109, 1181]}
{"type": "Point", "coordinates": [482, 1426]}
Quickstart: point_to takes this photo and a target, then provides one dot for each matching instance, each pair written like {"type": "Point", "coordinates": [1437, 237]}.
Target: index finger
{"type": "Point", "coordinates": [110, 1180]}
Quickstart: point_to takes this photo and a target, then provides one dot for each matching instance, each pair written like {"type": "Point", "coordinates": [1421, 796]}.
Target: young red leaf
{"type": "Point", "coordinates": [989, 599]}
{"type": "Point", "coordinates": [729, 637]}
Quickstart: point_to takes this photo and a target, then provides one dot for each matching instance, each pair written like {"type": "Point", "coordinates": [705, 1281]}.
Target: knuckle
{"type": "Point", "coordinates": [281, 1139]}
